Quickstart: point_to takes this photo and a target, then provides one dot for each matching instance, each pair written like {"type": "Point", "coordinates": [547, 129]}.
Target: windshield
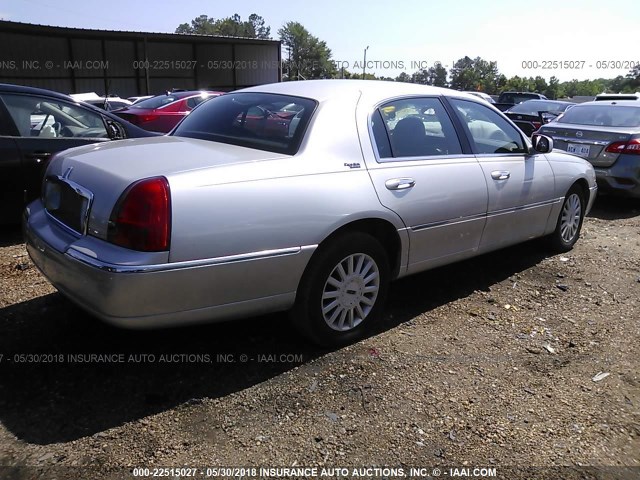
{"type": "Point", "coordinates": [604, 115]}
{"type": "Point", "coordinates": [265, 121]}
{"type": "Point", "coordinates": [532, 107]}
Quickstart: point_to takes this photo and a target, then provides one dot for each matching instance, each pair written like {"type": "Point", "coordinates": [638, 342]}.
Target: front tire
{"type": "Point", "coordinates": [343, 290]}
{"type": "Point", "coordinates": [570, 220]}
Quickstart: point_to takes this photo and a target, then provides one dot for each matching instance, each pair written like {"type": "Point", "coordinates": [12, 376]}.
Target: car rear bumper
{"type": "Point", "coordinates": [157, 295]}
{"type": "Point", "coordinates": [622, 178]}
{"type": "Point", "coordinates": [593, 193]}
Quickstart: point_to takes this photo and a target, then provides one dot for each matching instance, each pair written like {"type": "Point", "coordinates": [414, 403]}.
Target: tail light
{"type": "Point", "coordinates": [631, 147]}
{"type": "Point", "coordinates": [536, 125]}
{"type": "Point", "coordinates": [141, 220]}
{"type": "Point", "coordinates": [146, 118]}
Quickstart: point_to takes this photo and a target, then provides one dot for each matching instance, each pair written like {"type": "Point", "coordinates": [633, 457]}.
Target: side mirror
{"type": "Point", "coordinates": [541, 143]}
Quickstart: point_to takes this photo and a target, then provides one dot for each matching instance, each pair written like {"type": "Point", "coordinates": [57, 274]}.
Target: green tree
{"type": "Point", "coordinates": [202, 25]}
{"type": "Point", "coordinates": [404, 77]}
{"type": "Point", "coordinates": [307, 56]}
{"type": "Point", "coordinates": [517, 84]}
{"type": "Point", "coordinates": [232, 26]}
{"type": "Point", "coordinates": [421, 76]}
{"type": "Point", "coordinates": [634, 79]}
{"type": "Point", "coordinates": [570, 88]}
{"type": "Point", "coordinates": [618, 84]}
{"type": "Point", "coordinates": [553, 89]}
{"type": "Point", "coordinates": [475, 74]}
{"type": "Point", "coordinates": [540, 84]}
{"type": "Point", "coordinates": [437, 76]}
{"type": "Point", "coordinates": [463, 75]}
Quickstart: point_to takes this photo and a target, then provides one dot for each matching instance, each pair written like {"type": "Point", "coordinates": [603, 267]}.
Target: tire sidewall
{"type": "Point", "coordinates": [558, 242]}
{"type": "Point", "coordinates": [307, 313]}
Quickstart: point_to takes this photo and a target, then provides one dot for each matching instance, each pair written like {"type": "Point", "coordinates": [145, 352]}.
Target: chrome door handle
{"type": "Point", "coordinates": [399, 183]}
{"type": "Point", "coordinates": [500, 174]}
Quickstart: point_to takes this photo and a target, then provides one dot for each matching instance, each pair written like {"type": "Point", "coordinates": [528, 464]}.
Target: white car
{"type": "Point", "coordinates": [484, 96]}
{"type": "Point", "coordinates": [310, 196]}
{"type": "Point", "coordinates": [109, 103]}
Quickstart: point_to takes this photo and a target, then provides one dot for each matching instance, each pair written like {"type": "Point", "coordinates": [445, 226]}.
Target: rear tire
{"type": "Point", "coordinates": [343, 290]}
{"type": "Point", "coordinates": [569, 222]}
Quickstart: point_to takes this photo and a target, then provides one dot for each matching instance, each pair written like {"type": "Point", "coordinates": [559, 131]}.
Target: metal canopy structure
{"type": "Point", "coordinates": [76, 60]}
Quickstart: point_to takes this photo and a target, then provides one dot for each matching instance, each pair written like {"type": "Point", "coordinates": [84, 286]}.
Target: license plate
{"type": "Point", "coordinates": [68, 204]}
{"type": "Point", "coordinates": [582, 150]}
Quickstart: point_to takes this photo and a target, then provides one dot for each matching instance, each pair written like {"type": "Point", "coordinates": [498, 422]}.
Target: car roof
{"type": "Point", "coordinates": [183, 94]}
{"type": "Point", "coordinates": [323, 90]}
{"type": "Point", "coordinates": [542, 100]}
{"type": "Point", "coordinates": [614, 95]}
{"type": "Point", "coordinates": [604, 103]}
{"type": "Point", "coordinates": [10, 88]}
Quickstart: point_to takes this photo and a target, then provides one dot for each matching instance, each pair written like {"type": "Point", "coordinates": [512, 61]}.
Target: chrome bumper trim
{"type": "Point", "coordinates": [600, 143]}
{"type": "Point", "coordinates": [480, 216]}
{"type": "Point", "coordinates": [165, 267]}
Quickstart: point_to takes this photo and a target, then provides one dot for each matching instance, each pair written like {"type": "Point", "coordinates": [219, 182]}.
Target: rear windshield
{"type": "Point", "coordinates": [264, 121]}
{"type": "Point", "coordinates": [156, 102]}
{"type": "Point", "coordinates": [604, 115]}
{"type": "Point", "coordinates": [533, 107]}
{"type": "Point", "coordinates": [517, 97]}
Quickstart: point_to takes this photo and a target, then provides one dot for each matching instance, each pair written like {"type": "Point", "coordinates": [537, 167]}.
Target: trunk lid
{"type": "Point", "coordinates": [588, 142]}
{"type": "Point", "coordinates": [98, 174]}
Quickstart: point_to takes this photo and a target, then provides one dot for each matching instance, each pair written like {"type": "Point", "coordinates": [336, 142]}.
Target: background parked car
{"type": "Point", "coordinates": [108, 103]}
{"type": "Point", "coordinates": [35, 124]}
{"type": "Point", "coordinates": [139, 99]}
{"type": "Point", "coordinates": [617, 96]}
{"type": "Point", "coordinates": [163, 112]}
{"type": "Point", "coordinates": [507, 100]}
{"type": "Point", "coordinates": [223, 218]}
{"type": "Point", "coordinates": [607, 134]}
{"type": "Point", "coordinates": [532, 114]}
{"type": "Point", "coordinates": [484, 96]}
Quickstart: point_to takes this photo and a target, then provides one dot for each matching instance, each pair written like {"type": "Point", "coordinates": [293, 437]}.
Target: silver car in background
{"type": "Point", "coordinates": [305, 196]}
{"type": "Point", "coordinates": [607, 134]}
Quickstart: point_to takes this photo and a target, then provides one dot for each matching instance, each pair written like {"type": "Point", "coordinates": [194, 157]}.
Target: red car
{"type": "Point", "coordinates": [274, 120]}
{"type": "Point", "coordinates": [163, 112]}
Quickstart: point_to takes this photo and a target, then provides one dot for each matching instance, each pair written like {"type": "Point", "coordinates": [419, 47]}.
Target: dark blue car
{"type": "Point", "coordinates": [37, 123]}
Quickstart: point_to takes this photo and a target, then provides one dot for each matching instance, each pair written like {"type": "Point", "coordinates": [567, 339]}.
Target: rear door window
{"type": "Point", "coordinates": [414, 127]}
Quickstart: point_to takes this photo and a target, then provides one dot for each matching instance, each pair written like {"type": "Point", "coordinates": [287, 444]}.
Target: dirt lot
{"type": "Point", "coordinates": [511, 360]}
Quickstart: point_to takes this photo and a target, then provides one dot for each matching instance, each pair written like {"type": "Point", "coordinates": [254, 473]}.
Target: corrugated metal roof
{"type": "Point", "coordinates": [6, 24]}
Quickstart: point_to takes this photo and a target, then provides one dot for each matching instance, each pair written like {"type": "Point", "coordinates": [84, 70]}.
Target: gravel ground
{"type": "Point", "coordinates": [511, 360]}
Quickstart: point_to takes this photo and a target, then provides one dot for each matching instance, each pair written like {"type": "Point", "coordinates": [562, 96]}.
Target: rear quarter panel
{"type": "Point", "coordinates": [280, 203]}
{"type": "Point", "coordinates": [568, 169]}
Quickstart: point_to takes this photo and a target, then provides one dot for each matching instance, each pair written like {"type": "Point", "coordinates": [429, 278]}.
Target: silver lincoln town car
{"type": "Point", "coordinates": [305, 196]}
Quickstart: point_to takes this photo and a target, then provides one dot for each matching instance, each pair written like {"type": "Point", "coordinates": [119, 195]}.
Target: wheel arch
{"type": "Point", "coordinates": [581, 183]}
{"type": "Point", "coordinates": [584, 186]}
{"type": "Point", "coordinates": [380, 229]}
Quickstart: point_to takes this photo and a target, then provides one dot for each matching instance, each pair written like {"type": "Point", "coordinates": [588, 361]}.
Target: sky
{"type": "Point", "coordinates": [590, 38]}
